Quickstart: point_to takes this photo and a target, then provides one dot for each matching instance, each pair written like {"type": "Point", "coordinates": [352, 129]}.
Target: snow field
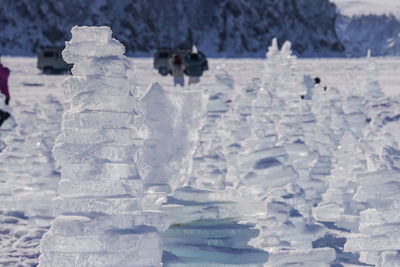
{"type": "Point", "coordinates": [289, 167]}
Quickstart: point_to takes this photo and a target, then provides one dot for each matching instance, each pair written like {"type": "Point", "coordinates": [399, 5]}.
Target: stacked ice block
{"type": "Point", "coordinates": [172, 119]}
{"type": "Point", "coordinates": [337, 205]}
{"type": "Point", "coordinates": [12, 171]}
{"type": "Point", "coordinates": [100, 221]}
{"type": "Point", "coordinates": [40, 183]}
{"type": "Point", "coordinates": [378, 238]}
{"type": "Point", "coordinates": [203, 231]}
{"type": "Point", "coordinates": [50, 119]}
{"type": "Point", "coordinates": [235, 130]}
{"type": "Point", "coordinates": [354, 111]}
{"type": "Point", "coordinates": [372, 86]}
{"type": "Point", "coordinates": [263, 164]}
{"type": "Point", "coordinates": [275, 157]}
{"type": "Point", "coordinates": [206, 197]}
{"type": "Point", "coordinates": [159, 147]}
{"type": "Point", "coordinates": [209, 163]}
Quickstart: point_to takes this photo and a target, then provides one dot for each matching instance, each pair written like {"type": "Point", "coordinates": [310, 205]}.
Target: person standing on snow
{"type": "Point", "coordinates": [4, 74]}
{"type": "Point", "coordinates": [194, 65]}
{"type": "Point", "coordinates": [312, 86]}
{"type": "Point", "coordinates": [176, 65]}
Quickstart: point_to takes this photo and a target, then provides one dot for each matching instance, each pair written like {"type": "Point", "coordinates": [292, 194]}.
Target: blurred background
{"type": "Point", "coordinates": [219, 28]}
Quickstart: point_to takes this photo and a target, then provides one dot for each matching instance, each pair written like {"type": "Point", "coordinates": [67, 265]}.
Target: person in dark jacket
{"type": "Point", "coordinates": [4, 74]}
{"type": "Point", "coordinates": [194, 66]}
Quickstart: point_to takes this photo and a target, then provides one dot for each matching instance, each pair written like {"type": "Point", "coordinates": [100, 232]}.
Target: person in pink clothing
{"type": "Point", "coordinates": [4, 74]}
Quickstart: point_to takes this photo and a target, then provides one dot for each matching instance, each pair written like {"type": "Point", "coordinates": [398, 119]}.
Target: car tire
{"type": "Point", "coordinates": [163, 71]}
{"type": "Point", "coordinates": [48, 70]}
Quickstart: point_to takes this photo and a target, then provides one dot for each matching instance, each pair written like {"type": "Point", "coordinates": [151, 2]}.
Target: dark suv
{"type": "Point", "coordinates": [50, 60]}
{"type": "Point", "coordinates": [162, 56]}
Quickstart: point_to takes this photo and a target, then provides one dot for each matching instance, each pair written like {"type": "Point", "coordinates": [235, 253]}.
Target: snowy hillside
{"type": "Point", "coordinates": [219, 28]}
{"type": "Point", "coordinates": [232, 28]}
{"type": "Point", "coordinates": [380, 33]}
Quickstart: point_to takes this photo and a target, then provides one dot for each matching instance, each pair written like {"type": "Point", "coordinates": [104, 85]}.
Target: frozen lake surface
{"type": "Point", "coordinates": [333, 207]}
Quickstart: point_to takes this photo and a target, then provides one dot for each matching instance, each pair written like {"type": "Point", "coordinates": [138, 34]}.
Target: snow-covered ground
{"type": "Point", "coordinates": [319, 206]}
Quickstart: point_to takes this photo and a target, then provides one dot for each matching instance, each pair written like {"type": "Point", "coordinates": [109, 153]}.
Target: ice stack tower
{"type": "Point", "coordinates": [209, 163]}
{"type": "Point", "coordinates": [172, 119]}
{"type": "Point", "coordinates": [356, 118]}
{"type": "Point", "coordinates": [207, 182]}
{"type": "Point", "coordinates": [337, 205]}
{"type": "Point", "coordinates": [205, 231]}
{"type": "Point", "coordinates": [12, 175]}
{"type": "Point", "coordinates": [278, 157]}
{"type": "Point", "coordinates": [235, 128]}
{"type": "Point", "coordinates": [99, 217]}
{"type": "Point", "coordinates": [41, 180]}
{"type": "Point", "coordinates": [371, 80]}
{"type": "Point", "coordinates": [378, 239]}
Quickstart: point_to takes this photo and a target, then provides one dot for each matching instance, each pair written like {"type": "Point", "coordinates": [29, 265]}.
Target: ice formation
{"type": "Point", "coordinates": [263, 165]}
{"type": "Point", "coordinates": [273, 60]}
{"type": "Point", "coordinates": [205, 214]}
{"type": "Point", "coordinates": [285, 92]}
{"type": "Point", "coordinates": [288, 123]}
{"type": "Point", "coordinates": [172, 119]}
{"type": "Point", "coordinates": [336, 205]}
{"type": "Point", "coordinates": [356, 118]}
{"type": "Point", "coordinates": [50, 119]}
{"type": "Point", "coordinates": [297, 179]}
{"type": "Point", "coordinates": [235, 130]}
{"type": "Point", "coordinates": [333, 143]}
{"type": "Point", "coordinates": [282, 82]}
{"type": "Point", "coordinates": [324, 119]}
{"type": "Point", "coordinates": [372, 86]}
{"type": "Point", "coordinates": [278, 158]}
{"type": "Point", "coordinates": [209, 163]}
{"type": "Point", "coordinates": [211, 243]}
{"type": "Point", "coordinates": [160, 145]}
{"type": "Point", "coordinates": [28, 181]}
{"type": "Point", "coordinates": [357, 186]}
{"type": "Point", "coordinates": [378, 237]}
{"type": "Point", "coordinates": [309, 83]}
{"type": "Point", "coordinates": [12, 175]}
{"type": "Point", "coordinates": [40, 183]}
{"type": "Point", "coordinates": [207, 174]}
{"type": "Point", "coordinates": [99, 220]}
{"type": "Point", "coordinates": [382, 114]}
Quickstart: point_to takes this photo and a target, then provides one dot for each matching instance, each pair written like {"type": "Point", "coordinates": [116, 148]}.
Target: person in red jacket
{"type": "Point", "coordinates": [176, 65]}
{"type": "Point", "coordinates": [4, 74]}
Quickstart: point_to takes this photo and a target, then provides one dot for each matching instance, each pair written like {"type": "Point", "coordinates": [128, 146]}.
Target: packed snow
{"type": "Point", "coordinates": [239, 169]}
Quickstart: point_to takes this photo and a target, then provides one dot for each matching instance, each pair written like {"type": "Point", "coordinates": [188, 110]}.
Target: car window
{"type": "Point", "coordinates": [163, 55]}
{"type": "Point", "coordinates": [48, 54]}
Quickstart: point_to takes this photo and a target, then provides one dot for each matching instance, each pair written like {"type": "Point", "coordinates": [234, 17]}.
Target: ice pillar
{"type": "Point", "coordinates": [99, 220]}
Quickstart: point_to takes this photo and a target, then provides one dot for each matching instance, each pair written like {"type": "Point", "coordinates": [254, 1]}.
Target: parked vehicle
{"type": "Point", "coordinates": [162, 56]}
{"type": "Point", "coordinates": [50, 60]}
